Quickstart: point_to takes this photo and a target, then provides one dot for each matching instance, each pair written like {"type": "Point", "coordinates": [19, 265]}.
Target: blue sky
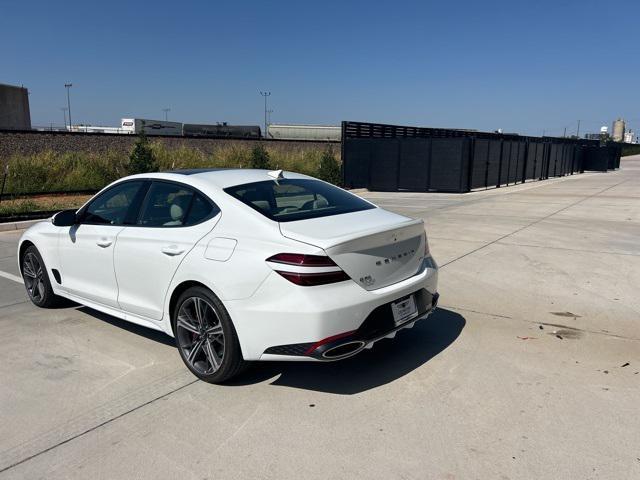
{"type": "Point", "coordinates": [521, 66]}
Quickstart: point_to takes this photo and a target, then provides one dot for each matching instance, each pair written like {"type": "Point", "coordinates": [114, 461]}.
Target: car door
{"type": "Point", "coordinates": [86, 249]}
{"type": "Point", "coordinates": [173, 218]}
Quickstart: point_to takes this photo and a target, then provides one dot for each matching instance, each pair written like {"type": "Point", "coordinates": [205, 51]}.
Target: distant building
{"type": "Point", "coordinates": [617, 132]}
{"type": "Point", "coordinates": [592, 136]}
{"type": "Point", "coordinates": [14, 108]}
{"type": "Point", "coordinates": [629, 137]}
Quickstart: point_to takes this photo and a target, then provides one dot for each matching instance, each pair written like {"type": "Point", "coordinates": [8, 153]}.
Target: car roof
{"type": "Point", "coordinates": [219, 177]}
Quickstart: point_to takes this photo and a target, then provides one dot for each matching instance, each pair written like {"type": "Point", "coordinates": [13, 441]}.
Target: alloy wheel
{"type": "Point", "coordinates": [33, 273]}
{"type": "Point", "coordinates": [200, 335]}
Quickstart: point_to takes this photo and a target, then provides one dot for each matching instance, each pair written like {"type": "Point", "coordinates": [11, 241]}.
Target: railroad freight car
{"type": "Point", "coordinates": [221, 130]}
{"type": "Point", "coordinates": [151, 127]}
{"type": "Point", "coordinates": [329, 133]}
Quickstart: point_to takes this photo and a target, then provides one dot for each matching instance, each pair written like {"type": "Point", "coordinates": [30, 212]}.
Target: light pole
{"type": "Point", "coordinates": [269, 112]}
{"type": "Point", "coordinates": [68, 87]}
{"type": "Point", "coordinates": [166, 113]}
{"type": "Point", "coordinates": [64, 112]}
{"type": "Point", "coordinates": [265, 95]}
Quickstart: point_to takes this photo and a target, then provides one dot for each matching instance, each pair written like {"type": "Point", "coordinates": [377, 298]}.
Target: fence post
{"type": "Point", "coordinates": [500, 164]}
{"type": "Point", "coordinates": [4, 179]}
{"type": "Point", "coordinates": [470, 162]}
{"type": "Point", "coordinates": [342, 160]}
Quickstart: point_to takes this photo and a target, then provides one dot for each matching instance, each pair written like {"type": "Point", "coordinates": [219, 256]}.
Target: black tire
{"type": "Point", "coordinates": [203, 344]}
{"type": "Point", "coordinates": [36, 279]}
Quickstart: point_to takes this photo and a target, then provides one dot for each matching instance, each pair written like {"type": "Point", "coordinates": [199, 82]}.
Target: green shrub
{"type": "Point", "coordinates": [329, 169]}
{"type": "Point", "coordinates": [259, 157]}
{"type": "Point", "coordinates": [142, 159]}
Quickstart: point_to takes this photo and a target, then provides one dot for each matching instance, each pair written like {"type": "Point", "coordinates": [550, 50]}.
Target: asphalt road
{"type": "Point", "coordinates": [530, 368]}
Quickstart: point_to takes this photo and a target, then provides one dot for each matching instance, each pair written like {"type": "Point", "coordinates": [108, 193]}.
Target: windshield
{"type": "Point", "coordinates": [297, 199]}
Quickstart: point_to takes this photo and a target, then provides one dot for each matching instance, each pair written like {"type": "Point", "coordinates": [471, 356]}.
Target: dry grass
{"type": "Point", "coordinates": [232, 156]}
{"type": "Point", "coordinates": [51, 171]}
{"type": "Point", "coordinates": [22, 206]}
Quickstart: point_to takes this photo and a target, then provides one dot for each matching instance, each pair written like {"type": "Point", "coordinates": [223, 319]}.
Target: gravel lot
{"type": "Point", "coordinates": [530, 368]}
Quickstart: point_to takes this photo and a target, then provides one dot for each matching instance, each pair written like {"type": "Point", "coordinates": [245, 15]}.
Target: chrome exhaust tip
{"type": "Point", "coordinates": [344, 350]}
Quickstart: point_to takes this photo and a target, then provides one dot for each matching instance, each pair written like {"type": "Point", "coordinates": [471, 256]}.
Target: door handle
{"type": "Point", "coordinates": [172, 250]}
{"type": "Point", "coordinates": [104, 243]}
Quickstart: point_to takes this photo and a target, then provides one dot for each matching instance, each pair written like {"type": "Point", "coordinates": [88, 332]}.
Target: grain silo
{"type": "Point", "coordinates": [618, 130]}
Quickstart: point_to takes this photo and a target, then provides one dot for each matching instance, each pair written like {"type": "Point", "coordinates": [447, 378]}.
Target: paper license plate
{"type": "Point", "coordinates": [404, 309]}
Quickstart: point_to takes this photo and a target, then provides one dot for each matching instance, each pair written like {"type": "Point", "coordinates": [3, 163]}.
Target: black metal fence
{"type": "Point", "coordinates": [391, 157]}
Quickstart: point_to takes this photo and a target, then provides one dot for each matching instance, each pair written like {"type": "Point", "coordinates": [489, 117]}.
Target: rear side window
{"type": "Point", "coordinates": [297, 199]}
{"type": "Point", "coordinates": [111, 207]}
{"type": "Point", "coordinates": [174, 205]}
{"type": "Point", "coordinates": [201, 210]}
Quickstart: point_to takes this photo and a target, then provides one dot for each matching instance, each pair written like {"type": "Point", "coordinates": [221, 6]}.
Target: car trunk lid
{"type": "Point", "coordinates": [376, 248]}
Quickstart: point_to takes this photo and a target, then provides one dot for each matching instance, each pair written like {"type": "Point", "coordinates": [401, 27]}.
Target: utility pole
{"type": "Point", "coordinates": [578, 131]}
{"type": "Point", "coordinates": [265, 95]}
{"type": "Point", "coordinates": [166, 113]}
{"type": "Point", "coordinates": [68, 87]}
{"type": "Point", "coordinates": [64, 111]}
{"type": "Point", "coordinates": [564, 135]}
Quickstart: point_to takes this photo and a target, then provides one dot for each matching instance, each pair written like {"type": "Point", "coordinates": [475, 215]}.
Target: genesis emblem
{"type": "Point", "coordinates": [367, 281]}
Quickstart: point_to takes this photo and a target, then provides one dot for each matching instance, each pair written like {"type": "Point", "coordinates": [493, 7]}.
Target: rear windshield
{"type": "Point", "coordinates": [297, 199]}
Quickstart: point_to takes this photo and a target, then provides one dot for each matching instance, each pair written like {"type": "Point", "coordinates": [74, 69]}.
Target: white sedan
{"type": "Point", "coordinates": [237, 265]}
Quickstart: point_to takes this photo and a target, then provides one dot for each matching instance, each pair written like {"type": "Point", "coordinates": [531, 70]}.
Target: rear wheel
{"type": "Point", "coordinates": [205, 336]}
{"type": "Point", "coordinates": [36, 279]}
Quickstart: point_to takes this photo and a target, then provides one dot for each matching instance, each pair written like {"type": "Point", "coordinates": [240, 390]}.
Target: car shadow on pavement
{"type": "Point", "coordinates": [387, 361]}
{"type": "Point", "coordinates": [149, 333]}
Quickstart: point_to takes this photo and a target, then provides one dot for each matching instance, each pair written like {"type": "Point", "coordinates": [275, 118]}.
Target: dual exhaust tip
{"type": "Point", "coordinates": [344, 350]}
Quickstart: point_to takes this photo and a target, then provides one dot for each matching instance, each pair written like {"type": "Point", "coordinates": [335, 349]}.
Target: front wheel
{"type": "Point", "coordinates": [205, 336]}
{"type": "Point", "coordinates": [36, 279]}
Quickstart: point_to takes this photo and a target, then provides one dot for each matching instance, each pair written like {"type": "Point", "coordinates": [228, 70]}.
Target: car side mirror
{"type": "Point", "coordinates": [65, 218]}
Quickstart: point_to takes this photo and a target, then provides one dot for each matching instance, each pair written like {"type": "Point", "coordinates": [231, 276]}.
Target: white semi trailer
{"type": "Point", "coordinates": [150, 127]}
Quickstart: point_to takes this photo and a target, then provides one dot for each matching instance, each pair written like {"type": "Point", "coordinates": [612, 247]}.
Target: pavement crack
{"type": "Point", "coordinates": [575, 329]}
{"type": "Point", "coordinates": [475, 311]}
{"type": "Point", "coordinates": [533, 223]}
{"type": "Point", "coordinates": [581, 250]}
{"type": "Point", "coordinates": [95, 427]}
{"type": "Point", "coordinates": [546, 324]}
{"type": "Point", "coordinates": [14, 303]}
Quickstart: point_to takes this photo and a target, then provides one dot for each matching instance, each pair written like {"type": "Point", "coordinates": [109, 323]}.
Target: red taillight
{"type": "Point", "coordinates": [307, 270]}
{"type": "Point", "coordinates": [311, 279]}
{"type": "Point", "coordinates": [302, 260]}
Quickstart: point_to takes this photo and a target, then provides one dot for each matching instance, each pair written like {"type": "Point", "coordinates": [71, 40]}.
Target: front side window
{"type": "Point", "coordinates": [112, 206]}
{"type": "Point", "coordinates": [297, 199]}
{"type": "Point", "coordinates": [174, 205]}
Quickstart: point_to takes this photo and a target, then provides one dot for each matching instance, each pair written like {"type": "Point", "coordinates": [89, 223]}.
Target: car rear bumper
{"type": "Point", "coordinates": [282, 321]}
{"type": "Point", "coordinates": [379, 324]}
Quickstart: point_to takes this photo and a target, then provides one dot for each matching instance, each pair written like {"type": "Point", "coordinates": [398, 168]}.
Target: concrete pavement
{"type": "Point", "coordinates": [529, 369]}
